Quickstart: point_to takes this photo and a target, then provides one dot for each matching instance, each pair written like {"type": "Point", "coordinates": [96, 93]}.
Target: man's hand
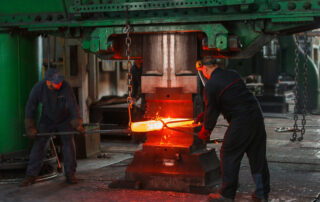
{"type": "Point", "coordinates": [31, 130]}
{"type": "Point", "coordinates": [31, 133]}
{"type": "Point", "coordinates": [204, 134]}
{"type": "Point", "coordinates": [77, 125]}
{"type": "Point", "coordinates": [200, 118]}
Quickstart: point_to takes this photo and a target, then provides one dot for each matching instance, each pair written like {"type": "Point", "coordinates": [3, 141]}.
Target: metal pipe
{"type": "Point", "coordinates": [110, 132]}
{"type": "Point", "coordinates": [202, 79]}
{"type": "Point", "coordinates": [55, 153]}
{"type": "Point", "coordinates": [191, 133]}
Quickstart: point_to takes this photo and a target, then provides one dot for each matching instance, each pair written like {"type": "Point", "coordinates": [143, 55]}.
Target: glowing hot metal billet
{"type": "Point", "coordinates": [172, 158]}
{"type": "Point", "coordinates": [153, 125]}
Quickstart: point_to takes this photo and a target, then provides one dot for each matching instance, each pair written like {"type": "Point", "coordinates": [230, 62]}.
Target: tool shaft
{"type": "Point", "coordinates": [55, 152]}
{"type": "Point", "coordinates": [112, 131]}
{"type": "Point", "coordinates": [194, 134]}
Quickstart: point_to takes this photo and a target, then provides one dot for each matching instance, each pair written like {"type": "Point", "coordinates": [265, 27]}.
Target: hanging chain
{"type": "Point", "coordinates": [127, 30]}
{"type": "Point", "coordinates": [296, 92]}
{"type": "Point", "coordinates": [305, 88]}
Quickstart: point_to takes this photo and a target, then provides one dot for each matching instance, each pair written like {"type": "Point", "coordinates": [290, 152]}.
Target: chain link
{"type": "Point", "coordinates": [305, 91]}
{"type": "Point", "coordinates": [305, 88]}
{"type": "Point", "coordinates": [127, 30]}
{"type": "Point", "coordinates": [296, 92]}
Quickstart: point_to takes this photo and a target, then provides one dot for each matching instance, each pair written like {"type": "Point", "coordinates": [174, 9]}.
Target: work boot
{"type": "Point", "coordinates": [255, 199]}
{"type": "Point", "coordinates": [71, 179]}
{"type": "Point", "coordinates": [28, 180]}
{"type": "Point", "coordinates": [218, 198]}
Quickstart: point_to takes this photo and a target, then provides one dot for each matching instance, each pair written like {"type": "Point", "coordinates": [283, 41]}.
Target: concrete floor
{"type": "Point", "coordinates": [294, 169]}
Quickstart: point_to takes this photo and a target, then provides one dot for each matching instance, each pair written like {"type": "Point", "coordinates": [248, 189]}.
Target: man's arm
{"type": "Point", "coordinates": [211, 115]}
{"type": "Point", "coordinates": [212, 111]}
{"type": "Point", "coordinates": [32, 103]}
{"type": "Point", "coordinates": [31, 108]}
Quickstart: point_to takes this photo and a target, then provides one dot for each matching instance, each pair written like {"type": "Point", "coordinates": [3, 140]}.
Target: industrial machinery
{"type": "Point", "coordinates": [281, 65]}
{"type": "Point", "coordinates": [173, 159]}
{"type": "Point", "coordinates": [168, 35]}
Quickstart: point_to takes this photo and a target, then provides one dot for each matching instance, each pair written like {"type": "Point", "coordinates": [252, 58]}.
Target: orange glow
{"type": "Point", "coordinates": [205, 47]}
{"type": "Point", "coordinates": [152, 125]}
{"type": "Point", "coordinates": [51, 85]}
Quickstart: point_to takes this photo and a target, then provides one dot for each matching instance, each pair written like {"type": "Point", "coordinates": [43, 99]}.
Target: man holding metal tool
{"type": "Point", "coordinates": [226, 93]}
{"type": "Point", "coordinates": [60, 112]}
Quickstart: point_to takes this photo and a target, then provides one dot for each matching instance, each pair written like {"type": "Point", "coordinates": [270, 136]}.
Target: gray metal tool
{"type": "Point", "coordinates": [110, 132]}
{"type": "Point", "coordinates": [191, 133]}
{"type": "Point", "coordinates": [59, 168]}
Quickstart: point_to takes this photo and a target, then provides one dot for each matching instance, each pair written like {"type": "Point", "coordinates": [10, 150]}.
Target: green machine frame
{"type": "Point", "coordinates": [20, 64]}
{"type": "Point", "coordinates": [230, 29]}
{"type": "Point", "coordinates": [231, 26]}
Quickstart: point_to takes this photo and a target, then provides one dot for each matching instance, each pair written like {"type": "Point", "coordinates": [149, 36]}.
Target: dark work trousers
{"type": "Point", "coordinates": [245, 134]}
{"type": "Point", "coordinates": [39, 151]}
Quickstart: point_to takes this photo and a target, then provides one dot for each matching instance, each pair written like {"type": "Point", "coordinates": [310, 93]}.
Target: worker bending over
{"type": "Point", "coordinates": [60, 112]}
{"type": "Point", "coordinates": [226, 93]}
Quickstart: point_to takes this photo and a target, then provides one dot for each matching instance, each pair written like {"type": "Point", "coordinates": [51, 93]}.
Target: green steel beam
{"type": "Point", "coordinates": [155, 5]}
{"type": "Point", "coordinates": [98, 39]}
{"type": "Point", "coordinates": [68, 13]}
{"type": "Point", "coordinates": [250, 22]}
{"type": "Point", "coordinates": [15, 7]}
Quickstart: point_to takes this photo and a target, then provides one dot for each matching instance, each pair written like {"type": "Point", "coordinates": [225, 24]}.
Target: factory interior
{"type": "Point", "coordinates": [131, 65]}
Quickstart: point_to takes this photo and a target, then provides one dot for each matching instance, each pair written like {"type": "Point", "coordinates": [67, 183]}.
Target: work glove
{"type": "Point", "coordinates": [200, 118]}
{"type": "Point", "coordinates": [77, 125]}
{"type": "Point", "coordinates": [31, 130]}
{"type": "Point", "coordinates": [204, 134]}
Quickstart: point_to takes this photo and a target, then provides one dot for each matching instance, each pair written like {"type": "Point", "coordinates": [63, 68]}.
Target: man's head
{"type": "Point", "coordinates": [207, 65]}
{"type": "Point", "coordinates": [138, 63]}
{"type": "Point", "coordinates": [54, 79]}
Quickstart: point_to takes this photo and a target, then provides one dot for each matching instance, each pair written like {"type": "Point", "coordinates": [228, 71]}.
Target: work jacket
{"type": "Point", "coordinates": [226, 93]}
{"type": "Point", "coordinates": [59, 107]}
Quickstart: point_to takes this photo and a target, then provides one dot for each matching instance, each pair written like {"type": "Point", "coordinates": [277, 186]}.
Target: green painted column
{"type": "Point", "coordinates": [20, 64]}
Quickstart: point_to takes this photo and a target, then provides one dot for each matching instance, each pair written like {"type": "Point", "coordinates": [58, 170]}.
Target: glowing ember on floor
{"type": "Point", "coordinates": [152, 125]}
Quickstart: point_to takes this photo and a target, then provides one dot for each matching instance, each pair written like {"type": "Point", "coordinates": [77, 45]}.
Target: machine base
{"type": "Point", "coordinates": [171, 169]}
{"type": "Point", "coordinates": [124, 184]}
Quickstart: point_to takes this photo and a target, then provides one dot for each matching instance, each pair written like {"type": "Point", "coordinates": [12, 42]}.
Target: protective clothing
{"type": "Point", "coordinates": [255, 199]}
{"type": "Point", "coordinates": [200, 118]}
{"type": "Point", "coordinates": [59, 107]}
{"type": "Point", "coordinates": [204, 134]}
{"type": "Point", "coordinates": [218, 198]}
{"type": "Point", "coordinates": [227, 94]}
{"type": "Point", "coordinates": [30, 126]}
{"type": "Point", "coordinates": [71, 179]}
{"type": "Point", "coordinates": [77, 125]}
{"type": "Point", "coordinates": [28, 180]}
{"type": "Point", "coordinates": [39, 151]}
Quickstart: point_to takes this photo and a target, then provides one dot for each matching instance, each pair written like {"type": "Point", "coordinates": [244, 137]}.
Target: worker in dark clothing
{"type": "Point", "coordinates": [60, 112]}
{"type": "Point", "coordinates": [226, 93]}
{"type": "Point", "coordinates": [136, 72]}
